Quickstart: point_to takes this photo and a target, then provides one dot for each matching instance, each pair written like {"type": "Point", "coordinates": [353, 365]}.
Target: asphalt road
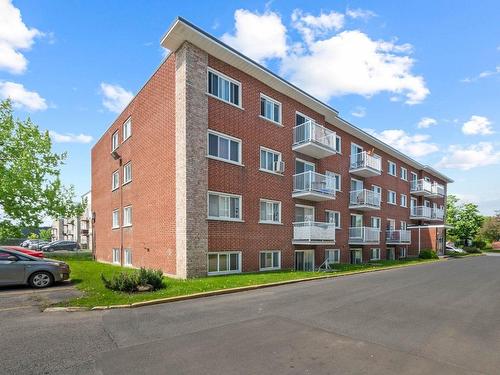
{"type": "Point", "coordinates": [440, 318]}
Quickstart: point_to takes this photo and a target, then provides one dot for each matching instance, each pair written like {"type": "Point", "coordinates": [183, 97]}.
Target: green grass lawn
{"type": "Point", "coordinates": [85, 274]}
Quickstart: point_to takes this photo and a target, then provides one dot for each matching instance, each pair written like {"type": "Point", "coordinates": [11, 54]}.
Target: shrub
{"type": "Point", "coordinates": [130, 281]}
{"type": "Point", "coordinates": [428, 254]}
{"type": "Point", "coordinates": [480, 244]}
{"type": "Point", "coordinates": [472, 250]}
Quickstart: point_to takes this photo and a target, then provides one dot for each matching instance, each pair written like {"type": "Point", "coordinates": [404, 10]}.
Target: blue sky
{"type": "Point", "coordinates": [70, 65]}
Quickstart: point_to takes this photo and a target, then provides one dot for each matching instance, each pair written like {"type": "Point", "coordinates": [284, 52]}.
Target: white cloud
{"type": "Point", "coordinates": [352, 63]}
{"type": "Point", "coordinates": [22, 98]}
{"type": "Point", "coordinates": [14, 36]}
{"type": "Point", "coordinates": [310, 27]}
{"type": "Point", "coordinates": [416, 145]}
{"type": "Point", "coordinates": [476, 155]}
{"type": "Point", "coordinates": [69, 137]}
{"type": "Point", "coordinates": [477, 125]}
{"type": "Point", "coordinates": [115, 97]}
{"type": "Point", "coordinates": [426, 122]}
{"type": "Point", "coordinates": [359, 112]}
{"type": "Point", "coordinates": [360, 13]}
{"type": "Point", "coordinates": [484, 74]}
{"type": "Point", "coordinates": [259, 36]}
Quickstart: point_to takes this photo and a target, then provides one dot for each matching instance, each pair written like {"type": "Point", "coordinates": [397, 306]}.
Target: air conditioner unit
{"type": "Point", "coordinates": [279, 166]}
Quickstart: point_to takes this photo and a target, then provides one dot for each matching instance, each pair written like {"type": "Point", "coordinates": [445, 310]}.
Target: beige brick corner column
{"type": "Point", "coordinates": [191, 167]}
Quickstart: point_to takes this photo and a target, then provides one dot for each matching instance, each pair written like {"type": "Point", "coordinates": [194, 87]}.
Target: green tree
{"type": "Point", "coordinates": [30, 187]}
{"type": "Point", "coordinates": [33, 236]}
{"type": "Point", "coordinates": [491, 228]}
{"type": "Point", "coordinates": [465, 219]}
{"type": "Point", "coordinates": [45, 234]}
{"type": "Point", "coordinates": [9, 230]}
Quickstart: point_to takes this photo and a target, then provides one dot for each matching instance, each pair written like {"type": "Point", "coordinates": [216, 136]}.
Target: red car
{"type": "Point", "coordinates": [33, 253]}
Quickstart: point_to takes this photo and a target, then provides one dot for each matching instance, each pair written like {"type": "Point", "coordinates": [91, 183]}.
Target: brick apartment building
{"type": "Point", "coordinates": [218, 166]}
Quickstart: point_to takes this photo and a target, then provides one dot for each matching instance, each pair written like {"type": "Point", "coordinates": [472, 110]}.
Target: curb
{"type": "Point", "coordinates": [229, 290]}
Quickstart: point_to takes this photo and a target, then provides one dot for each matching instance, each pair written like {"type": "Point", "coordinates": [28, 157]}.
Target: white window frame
{"type": "Point", "coordinates": [404, 173]}
{"type": "Point", "coordinates": [272, 203]}
{"type": "Point", "coordinates": [379, 227]}
{"type": "Point", "coordinates": [339, 149]}
{"type": "Point", "coordinates": [269, 150]}
{"type": "Point", "coordinates": [115, 223]}
{"type": "Point", "coordinates": [392, 193]}
{"type": "Point", "coordinates": [428, 179]}
{"type": "Point", "coordinates": [223, 76]}
{"type": "Point", "coordinates": [393, 221]}
{"type": "Point", "coordinates": [273, 101]}
{"type": "Point", "coordinates": [128, 167]}
{"type": "Point", "coordinates": [405, 200]}
{"type": "Point", "coordinates": [302, 115]}
{"type": "Point", "coordinates": [273, 267]}
{"type": "Point", "coordinates": [127, 257]}
{"type": "Point", "coordinates": [229, 138]}
{"type": "Point", "coordinates": [115, 254]}
{"type": "Point", "coordinates": [127, 216]}
{"type": "Point", "coordinates": [377, 250]}
{"type": "Point", "coordinates": [403, 250]}
{"type": "Point", "coordinates": [306, 206]}
{"type": "Point", "coordinates": [117, 185]}
{"type": "Point", "coordinates": [336, 177]}
{"type": "Point", "coordinates": [357, 146]}
{"type": "Point", "coordinates": [305, 162]}
{"type": "Point", "coordinates": [115, 140]}
{"type": "Point", "coordinates": [126, 134]}
{"type": "Point", "coordinates": [335, 214]}
{"type": "Point", "coordinates": [228, 253]}
{"type": "Point", "coordinates": [228, 195]}
{"type": "Point", "coordinates": [335, 251]}
{"type": "Point", "coordinates": [377, 189]}
{"type": "Point", "coordinates": [391, 164]}
{"type": "Point", "coordinates": [404, 225]}
{"type": "Point", "coordinates": [413, 176]}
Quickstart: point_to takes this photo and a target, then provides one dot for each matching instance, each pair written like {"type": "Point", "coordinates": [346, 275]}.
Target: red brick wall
{"type": "Point", "coordinates": [151, 148]}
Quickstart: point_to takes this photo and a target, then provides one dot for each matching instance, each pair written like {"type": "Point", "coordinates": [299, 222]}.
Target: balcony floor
{"type": "Point", "coordinates": [313, 242]}
{"type": "Point", "coordinates": [363, 207]}
{"type": "Point", "coordinates": [312, 196]}
{"type": "Point", "coordinates": [365, 172]}
{"type": "Point", "coordinates": [313, 149]}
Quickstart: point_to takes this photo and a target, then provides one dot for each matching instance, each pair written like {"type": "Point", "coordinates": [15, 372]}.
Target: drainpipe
{"type": "Point", "coordinates": [419, 240]}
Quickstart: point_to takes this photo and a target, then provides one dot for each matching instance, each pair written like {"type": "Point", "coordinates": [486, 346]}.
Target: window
{"type": "Point", "coordinates": [402, 252]}
{"type": "Point", "coordinates": [378, 190]}
{"type": "Point", "coordinates": [116, 256]}
{"type": "Point", "coordinates": [391, 197]}
{"type": "Point", "coordinates": [127, 173]}
{"type": "Point", "coordinates": [270, 212]}
{"type": "Point", "coordinates": [414, 176]}
{"type": "Point", "coordinates": [114, 141]}
{"type": "Point", "coordinates": [427, 179]}
{"type": "Point", "coordinates": [300, 118]}
{"type": "Point", "coordinates": [270, 109]}
{"type": "Point", "coordinates": [403, 225]}
{"type": "Point", "coordinates": [127, 129]}
{"type": "Point", "coordinates": [223, 206]}
{"type": "Point", "coordinates": [270, 260]}
{"type": "Point", "coordinates": [302, 166]}
{"type": "Point", "coordinates": [116, 219]}
{"type": "Point", "coordinates": [391, 168]}
{"type": "Point", "coordinates": [304, 213]}
{"type": "Point", "coordinates": [224, 88]}
{"type": "Point", "coordinates": [224, 147]}
{"type": "Point", "coordinates": [127, 257]}
{"type": "Point", "coordinates": [333, 217]}
{"type": "Point", "coordinates": [338, 144]}
{"type": "Point", "coordinates": [333, 180]}
{"type": "Point", "coordinates": [332, 256]}
{"type": "Point", "coordinates": [225, 262]}
{"type": "Point", "coordinates": [404, 173]}
{"type": "Point", "coordinates": [115, 180]}
{"type": "Point", "coordinates": [391, 224]}
{"type": "Point", "coordinates": [375, 254]}
{"type": "Point", "coordinates": [375, 222]}
{"type": "Point", "coordinates": [404, 200]}
{"type": "Point", "coordinates": [270, 161]}
{"type": "Point", "coordinates": [127, 216]}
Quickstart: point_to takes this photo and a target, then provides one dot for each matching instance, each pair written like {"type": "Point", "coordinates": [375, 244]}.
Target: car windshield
{"type": "Point", "coordinates": [20, 255]}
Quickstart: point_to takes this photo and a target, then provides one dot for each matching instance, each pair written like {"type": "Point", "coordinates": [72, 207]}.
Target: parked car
{"type": "Point", "coordinates": [61, 245]}
{"type": "Point", "coordinates": [28, 243]}
{"type": "Point", "coordinates": [453, 249]}
{"type": "Point", "coordinates": [33, 253]}
{"type": "Point", "coordinates": [37, 245]}
{"type": "Point", "coordinates": [17, 268]}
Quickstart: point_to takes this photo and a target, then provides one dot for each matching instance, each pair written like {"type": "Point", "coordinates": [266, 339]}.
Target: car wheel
{"type": "Point", "coordinates": [41, 279]}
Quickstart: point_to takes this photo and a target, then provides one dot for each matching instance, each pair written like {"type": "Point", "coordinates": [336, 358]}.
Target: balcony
{"type": "Point", "coordinates": [421, 187]}
{"type": "Point", "coordinates": [313, 233]}
{"type": "Point", "coordinates": [364, 200]}
{"type": "Point", "coordinates": [364, 235]}
{"type": "Point", "coordinates": [437, 191]}
{"type": "Point", "coordinates": [420, 213]}
{"type": "Point", "coordinates": [365, 165]}
{"type": "Point", "coordinates": [437, 214]}
{"type": "Point", "coordinates": [313, 140]}
{"type": "Point", "coordinates": [398, 237]}
{"type": "Point", "coordinates": [313, 186]}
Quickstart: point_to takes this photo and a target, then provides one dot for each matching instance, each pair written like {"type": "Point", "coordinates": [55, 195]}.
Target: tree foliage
{"type": "Point", "coordinates": [46, 234]}
{"type": "Point", "coordinates": [491, 228]}
{"type": "Point", "coordinates": [30, 186]}
{"type": "Point", "coordinates": [465, 219]}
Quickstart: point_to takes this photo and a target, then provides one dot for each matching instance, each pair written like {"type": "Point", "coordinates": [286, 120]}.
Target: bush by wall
{"type": "Point", "coordinates": [132, 281]}
{"type": "Point", "coordinates": [472, 250]}
{"type": "Point", "coordinates": [428, 254]}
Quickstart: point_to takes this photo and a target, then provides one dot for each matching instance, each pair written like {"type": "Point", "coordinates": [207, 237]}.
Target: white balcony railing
{"type": "Point", "coordinates": [311, 231]}
{"type": "Point", "coordinates": [364, 197]}
{"type": "Point", "coordinates": [309, 131]}
{"type": "Point", "coordinates": [361, 235]}
{"type": "Point", "coordinates": [364, 160]}
{"type": "Point", "coordinates": [421, 186]}
{"type": "Point", "coordinates": [315, 183]}
{"type": "Point", "coordinates": [437, 214]}
{"type": "Point", "coordinates": [421, 212]}
{"type": "Point", "coordinates": [398, 236]}
{"type": "Point", "coordinates": [437, 189]}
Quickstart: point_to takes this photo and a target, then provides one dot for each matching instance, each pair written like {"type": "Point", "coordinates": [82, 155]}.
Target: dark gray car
{"type": "Point", "coordinates": [17, 268]}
